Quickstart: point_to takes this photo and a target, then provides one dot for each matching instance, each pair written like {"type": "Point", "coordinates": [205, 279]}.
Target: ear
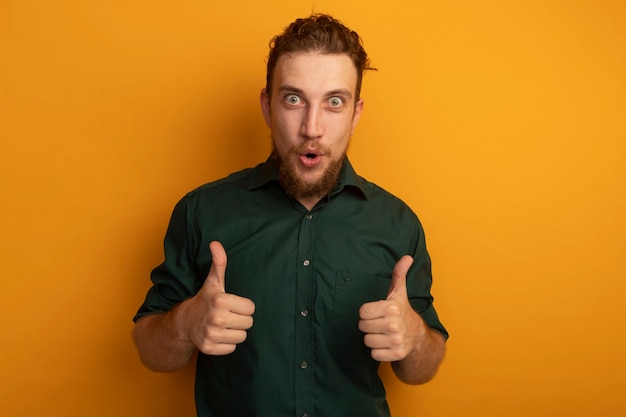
{"type": "Point", "coordinates": [358, 109]}
{"type": "Point", "coordinates": [265, 107]}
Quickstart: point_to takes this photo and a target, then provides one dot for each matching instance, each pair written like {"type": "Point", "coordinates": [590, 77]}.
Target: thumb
{"type": "Point", "coordinates": [398, 277]}
{"type": "Point", "coordinates": [216, 275]}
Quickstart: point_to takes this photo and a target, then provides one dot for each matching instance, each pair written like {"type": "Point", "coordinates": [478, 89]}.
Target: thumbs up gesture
{"type": "Point", "coordinates": [215, 321]}
{"type": "Point", "coordinates": [392, 328]}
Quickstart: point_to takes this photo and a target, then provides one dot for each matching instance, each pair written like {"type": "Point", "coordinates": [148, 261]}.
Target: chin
{"type": "Point", "coordinates": [300, 181]}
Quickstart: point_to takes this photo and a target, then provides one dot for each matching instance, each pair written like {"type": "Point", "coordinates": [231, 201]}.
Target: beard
{"type": "Point", "coordinates": [297, 187]}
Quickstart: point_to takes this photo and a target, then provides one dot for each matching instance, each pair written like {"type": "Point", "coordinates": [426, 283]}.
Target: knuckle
{"type": "Point", "coordinates": [216, 321]}
{"type": "Point", "coordinates": [394, 328]}
{"type": "Point", "coordinates": [393, 309]}
{"type": "Point", "coordinates": [219, 301]}
{"type": "Point", "coordinates": [213, 334]}
{"type": "Point", "coordinates": [397, 340]}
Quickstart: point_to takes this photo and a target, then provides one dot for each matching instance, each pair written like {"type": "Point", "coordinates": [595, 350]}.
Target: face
{"type": "Point", "coordinates": [312, 113]}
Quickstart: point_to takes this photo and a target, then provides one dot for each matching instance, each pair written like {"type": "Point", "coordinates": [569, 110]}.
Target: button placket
{"type": "Point", "coordinates": [304, 367]}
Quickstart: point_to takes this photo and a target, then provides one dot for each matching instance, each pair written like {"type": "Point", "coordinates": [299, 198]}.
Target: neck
{"type": "Point", "coordinates": [309, 202]}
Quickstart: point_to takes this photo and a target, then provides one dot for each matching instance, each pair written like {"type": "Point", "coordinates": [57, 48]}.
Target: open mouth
{"type": "Point", "coordinates": [310, 159]}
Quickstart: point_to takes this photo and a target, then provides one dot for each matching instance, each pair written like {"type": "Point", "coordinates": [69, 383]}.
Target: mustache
{"type": "Point", "coordinates": [306, 146]}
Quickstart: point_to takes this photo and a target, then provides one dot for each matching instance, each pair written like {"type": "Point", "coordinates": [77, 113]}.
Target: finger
{"type": "Point", "coordinates": [218, 349]}
{"type": "Point", "coordinates": [385, 355]}
{"type": "Point", "coordinates": [398, 276]}
{"type": "Point", "coordinates": [225, 305]}
{"type": "Point", "coordinates": [229, 336]}
{"type": "Point", "coordinates": [241, 306]}
{"type": "Point", "coordinates": [372, 325]}
{"type": "Point", "coordinates": [373, 310]}
{"type": "Point", "coordinates": [215, 278]}
{"type": "Point", "coordinates": [222, 342]}
{"type": "Point", "coordinates": [376, 341]}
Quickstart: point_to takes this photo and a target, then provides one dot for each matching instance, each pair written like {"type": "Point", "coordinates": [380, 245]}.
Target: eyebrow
{"type": "Point", "coordinates": [338, 92]}
{"type": "Point", "coordinates": [290, 89]}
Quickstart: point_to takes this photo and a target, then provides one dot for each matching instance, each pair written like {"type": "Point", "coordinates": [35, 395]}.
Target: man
{"type": "Point", "coordinates": [296, 278]}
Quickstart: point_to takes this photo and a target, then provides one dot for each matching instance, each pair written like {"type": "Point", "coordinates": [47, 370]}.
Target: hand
{"type": "Point", "coordinates": [213, 320]}
{"type": "Point", "coordinates": [392, 328]}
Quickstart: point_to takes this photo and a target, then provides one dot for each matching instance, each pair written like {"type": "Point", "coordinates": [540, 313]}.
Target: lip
{"type": "Point", "coordinates": [310, 158]}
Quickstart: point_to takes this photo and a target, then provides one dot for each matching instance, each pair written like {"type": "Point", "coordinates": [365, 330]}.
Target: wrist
{"type": "Point", "coordinates": [179, 322]}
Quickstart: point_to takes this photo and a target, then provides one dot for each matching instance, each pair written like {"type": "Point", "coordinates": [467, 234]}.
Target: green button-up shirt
{"type": "Point", "coordinates": [307, 272]}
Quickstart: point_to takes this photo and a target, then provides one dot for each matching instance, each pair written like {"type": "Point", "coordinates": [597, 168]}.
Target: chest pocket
{"type": "Point", "coordinates": [349, 350]}
{"type": "Point", "coordinates": [352, 291]}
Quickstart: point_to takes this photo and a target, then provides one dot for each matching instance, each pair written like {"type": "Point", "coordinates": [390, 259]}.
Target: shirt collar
{"type": "Point", "coordinates": [267, 172]}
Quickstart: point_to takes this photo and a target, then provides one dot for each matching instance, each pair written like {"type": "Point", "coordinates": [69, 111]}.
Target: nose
{"type": "Point", "coordinates": [311, 127]}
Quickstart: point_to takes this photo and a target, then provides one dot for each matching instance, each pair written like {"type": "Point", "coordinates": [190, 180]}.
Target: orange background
{"type": "Point", "coordinates": [502, 123]}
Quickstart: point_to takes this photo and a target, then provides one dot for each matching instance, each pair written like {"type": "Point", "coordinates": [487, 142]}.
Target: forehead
{"type": "Point", "coordinates": [315, 71]}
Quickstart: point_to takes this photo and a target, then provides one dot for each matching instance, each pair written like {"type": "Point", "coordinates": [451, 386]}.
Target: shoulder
{"type": "Point", "coordinates": [211, 196]}
{"type": "Point", "coordinates": [379, 197]}
{"type": "Point", "coordinates": [238, 182]}
{"type": "Point", "coordinates": [233, 181]}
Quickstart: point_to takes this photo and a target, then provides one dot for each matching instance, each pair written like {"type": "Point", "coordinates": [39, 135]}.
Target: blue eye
{"type": "Point", "coordinates": [335, 101]}
{"type": "Point", "coordinates": [292, 99]}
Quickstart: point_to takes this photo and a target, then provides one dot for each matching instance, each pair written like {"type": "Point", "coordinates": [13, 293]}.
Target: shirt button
{"type": "Point", "coordinates": [304, 365]}
{"type": "Point", "coordinates": [306, 262]}
{"type": "Point", "coordinates": [309, 216]}
{"type": "Point", "coordinates": [304, 312]}
{"type": "Point", "coordinates": [305, 415]}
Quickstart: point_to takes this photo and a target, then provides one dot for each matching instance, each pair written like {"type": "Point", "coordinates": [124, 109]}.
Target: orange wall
{"type": "Point", "coordinates": [502, 123]}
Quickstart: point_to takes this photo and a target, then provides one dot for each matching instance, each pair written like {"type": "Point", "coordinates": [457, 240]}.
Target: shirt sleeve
{"type": "Point", "coordinates": [177, 278]}
{"type": "Point", "coordinates": [419, 283]}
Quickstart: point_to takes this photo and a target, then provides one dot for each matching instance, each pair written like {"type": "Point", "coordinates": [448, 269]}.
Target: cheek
{"type": "Point", "coordinates": [280, 137]}
{"type": "Point", "coordinates": [342, 129]}
{"type": "Point", "coordinates": [286, 127]}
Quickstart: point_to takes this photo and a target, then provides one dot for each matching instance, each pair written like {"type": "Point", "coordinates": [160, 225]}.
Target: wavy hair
{"type": "Point", "coordinates": [318, 33]}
